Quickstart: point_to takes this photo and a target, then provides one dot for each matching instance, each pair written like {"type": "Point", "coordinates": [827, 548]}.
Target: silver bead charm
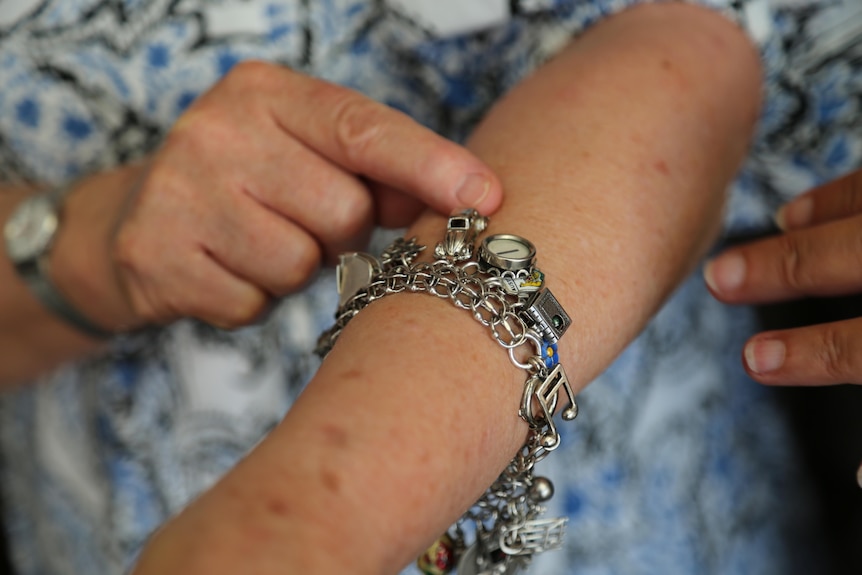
{"type": "Point", "coordinates": [541, 490]}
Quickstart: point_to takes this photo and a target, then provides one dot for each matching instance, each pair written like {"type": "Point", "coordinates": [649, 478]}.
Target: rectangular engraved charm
{"type": "Point", "coordinates": [548, 316]}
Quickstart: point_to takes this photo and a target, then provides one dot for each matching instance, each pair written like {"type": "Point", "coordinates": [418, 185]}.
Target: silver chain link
{"type": "Point", "coordinates": [463, 285]}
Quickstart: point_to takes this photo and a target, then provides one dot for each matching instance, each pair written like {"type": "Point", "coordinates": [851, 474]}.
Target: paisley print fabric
{"type": "Point", "coordinates": [677, 464]}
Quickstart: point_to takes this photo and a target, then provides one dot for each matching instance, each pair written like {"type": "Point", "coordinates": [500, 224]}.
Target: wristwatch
{"type": "Point", "coordinates": [29, 235]}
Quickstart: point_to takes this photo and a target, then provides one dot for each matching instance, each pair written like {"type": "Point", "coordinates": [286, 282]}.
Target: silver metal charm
{"type": "Point", "coordinates": [468, 565]}
{"type": "Point", "coordinates": [535, 536]}
{"type": "Point", "coordinates": [551, 320]}
{"type": "Point", "coordinates": [353, 273]}
{"type": "Point", "coordinates": [541, 490]}
{"type": "Point", "coordinates": [522, 283]}
{"type": "Point", "coordinates": [507, 252]}
{"type": "Point", "coordinates": [477, 561]}
{"type": "Point", "coordinates": [544, 393]}
{"type": "Point", "coordinates": [461, 232]}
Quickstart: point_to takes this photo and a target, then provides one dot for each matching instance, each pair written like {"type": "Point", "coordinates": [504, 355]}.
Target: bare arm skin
{"type": "Point", "coordinates": [267, 158]}
{"type": "Point", "coordinates": [615, 157]}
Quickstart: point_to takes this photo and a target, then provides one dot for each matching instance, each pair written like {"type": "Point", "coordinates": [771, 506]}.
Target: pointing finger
{"type": "Point", "coordinates": [374, 140]}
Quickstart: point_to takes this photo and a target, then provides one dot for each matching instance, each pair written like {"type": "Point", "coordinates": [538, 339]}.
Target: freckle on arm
{"type": "Point", "coordinates": [278, 507]}
{"type": "Point", "coordinates": [334, 435]}
{"type": "Point", "coordinates": [330, 480]}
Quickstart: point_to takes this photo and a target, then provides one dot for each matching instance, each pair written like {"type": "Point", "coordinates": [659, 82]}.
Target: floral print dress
{"type": "Point", "coordinates": [678, 463]}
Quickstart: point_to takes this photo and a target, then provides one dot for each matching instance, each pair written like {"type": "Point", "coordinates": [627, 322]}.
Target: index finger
{"type": "Point", "coordinates": [377, 141]}
{"type": "Point", "coordinates": [824, 260]}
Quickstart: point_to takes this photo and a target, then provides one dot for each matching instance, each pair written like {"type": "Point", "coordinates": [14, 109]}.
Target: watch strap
{"type": "Point", "coordinates": [38, 280]}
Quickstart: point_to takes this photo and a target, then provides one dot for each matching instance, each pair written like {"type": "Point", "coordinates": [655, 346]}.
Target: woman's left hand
{"type": "Point", "coordinates": [818, 253]}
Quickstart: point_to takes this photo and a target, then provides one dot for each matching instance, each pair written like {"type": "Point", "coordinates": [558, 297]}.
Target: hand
{"type": "Point", "coordinates": [266, 176]}
{"type": "Point", "coordinates": [818, 254]}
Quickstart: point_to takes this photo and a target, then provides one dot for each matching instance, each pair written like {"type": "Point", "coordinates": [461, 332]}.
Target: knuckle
{"type": "Point", "coordinates": [243, 95]}
{"type": "Point", "coordinates": [442, 154]}
{"type": "Point", "coordinates": [834, 353]}
{"type": "Point", "coordinates": [200, 131]}
{"type": "Point", "coordinates": [129, 249]}
{"type": "Point", "coordinates": [252, 75]}
{"type": "Point", "coordinates": [440, 157]}
{"type": "Point", "coordinates": [792, 268]}
{"type": "Point", "coordinates": [358, 124]}
{"type": "Point", "coordinates": [351, 214]}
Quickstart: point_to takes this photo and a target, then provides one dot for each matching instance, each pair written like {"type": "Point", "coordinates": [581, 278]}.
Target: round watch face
{"type": "Point", "coordinates": [507, 251]}
{"type": "Point", "coordinates": [30, 229]}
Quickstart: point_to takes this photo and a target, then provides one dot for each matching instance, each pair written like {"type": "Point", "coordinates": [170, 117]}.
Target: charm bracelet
{"type": "Point", "coordinates": [500, 285]}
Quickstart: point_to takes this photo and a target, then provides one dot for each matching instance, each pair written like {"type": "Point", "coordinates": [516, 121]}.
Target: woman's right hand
{"type": "Point", "coordinates": [262, 179]}
{"type": "Point", "coordinates": [816, 255]}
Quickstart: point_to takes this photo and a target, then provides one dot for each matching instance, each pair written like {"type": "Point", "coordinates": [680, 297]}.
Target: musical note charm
{"type": "Point", "coordinates": [544, 394]}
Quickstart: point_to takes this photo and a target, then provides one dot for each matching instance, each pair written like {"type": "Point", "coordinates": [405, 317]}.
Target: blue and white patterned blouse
{"type": "Point", "coordinates": [678, 463]}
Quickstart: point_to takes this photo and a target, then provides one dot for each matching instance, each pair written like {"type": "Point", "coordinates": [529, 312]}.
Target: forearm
{"type": "Point", "coordinates": [614, 157]}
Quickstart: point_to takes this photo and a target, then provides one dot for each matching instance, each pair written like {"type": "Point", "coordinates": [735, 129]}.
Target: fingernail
{"type": "Point", "coordinates": [725, 273]}
{"type": "Point", "coordinates": [764, 355]}
{"type": "Point", "coordinates": [796, 214]}
{"type": "Point", "coordinates": [474, 188]}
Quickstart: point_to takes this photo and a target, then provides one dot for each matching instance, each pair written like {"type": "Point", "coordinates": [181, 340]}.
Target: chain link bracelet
{"type": "Point", "coordinates": [504, 291]}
